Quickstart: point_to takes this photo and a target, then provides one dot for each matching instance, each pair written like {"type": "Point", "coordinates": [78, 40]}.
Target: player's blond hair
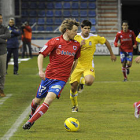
{"type": "Point", "coordinates": [68, 24]}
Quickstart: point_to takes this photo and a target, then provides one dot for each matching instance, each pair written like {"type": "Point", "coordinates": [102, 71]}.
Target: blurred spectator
{"type": "Point", "coordinates": [13, 45]}
{"type": "Point", "coordinates": [4, 35]}
{"type": "Point", "coordinates": [26, 38]}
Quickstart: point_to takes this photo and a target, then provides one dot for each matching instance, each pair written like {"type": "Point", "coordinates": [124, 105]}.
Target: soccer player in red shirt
{"type": "Point", "coordinates": [64, 52]}
{"type": "Point", "coordinates": [137, 104]}
{"type": "Point", "coordinates": [126, 41]}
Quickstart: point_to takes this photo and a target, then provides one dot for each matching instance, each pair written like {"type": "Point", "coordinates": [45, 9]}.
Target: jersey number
{"type": "Point", "coordinates": [41, 88]}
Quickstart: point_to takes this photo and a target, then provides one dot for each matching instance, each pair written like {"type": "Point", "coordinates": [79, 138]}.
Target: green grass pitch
{"type": "Point", "coordinates": [105, 109]}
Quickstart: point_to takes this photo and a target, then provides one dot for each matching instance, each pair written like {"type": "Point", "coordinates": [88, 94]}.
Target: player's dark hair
{"type": "Point", "coordinates": [86, 23]}
{"type": "Point", "coordinates": [68, 24]}
{"type": "Point", "coordinates": [125, 21]}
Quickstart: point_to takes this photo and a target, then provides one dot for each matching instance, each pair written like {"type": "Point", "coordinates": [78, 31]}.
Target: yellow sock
{"type": "Point", "coordinates": [82, 80]}
{"type": "Point", "coordinates": [73, 97]}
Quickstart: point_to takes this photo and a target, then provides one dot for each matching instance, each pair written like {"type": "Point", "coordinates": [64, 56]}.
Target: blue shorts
{"type": "Point", "coordinates": [50, 85]}
{"type": "Point", "coordinates": [126, 56]}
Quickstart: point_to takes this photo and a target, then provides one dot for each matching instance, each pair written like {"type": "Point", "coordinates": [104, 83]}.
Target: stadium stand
{"type": "Point", "coordinates": [75, 5]}
{"type": "Point", "coordinates": [83, 13]}
{"type": "Point", "coordinates": [66, 13]}
{"type": "Point", "coordinates": [24, 13]}
{"type": "Point", "coordinates": [50, 6]}
{"type": "Point", "coordinates": [58, 21]}
{"type": "Point", "coordinates": [49, 14]}
{"type": "Point", "coordinates": [93, 29]}
{"type": "Point", "coordinates": [91, 13]}
{"type": "Point", "coordinates": [92, 5]}
{"type": "Point", "coordinates": [66, 5]}
{"type": "Point", "coordinates": [41, 6]}
{"type": "Point", "coordinates": [58, 13]}
{"type": "Point", "coordinates": [32, 13]}
{"type": "Point", "coordinates": [33, 5]}
{"type": "Point", "coordinates": [41, 21]}
{"type": "Point", "coordinates": [41, 13]}
{"type": "Point", "coordinates": [75, 13]}
{"type": "Point", "coordinates": [32, 20]}
{"type": "Point", "coordinates": [49, 21]}
{"type": "Point", "coordinates": [93, 21]}
{"type": "Point", "coordinates": [40, 28]}
{"type": "Point", "coordinates": [58, 5]}
{"type": "Point", "coordinates": [24, 5]}
{"type": "Point", "coordinates": [107, 18]}
{"type": "Point", "coordinates": [49, 28]}
{"type": "Point", "coordinates": [83, 5]}
{"type": "Point", "coordinates": [34, 38]}
{"type": "Point", "coordinates": [40, 38]}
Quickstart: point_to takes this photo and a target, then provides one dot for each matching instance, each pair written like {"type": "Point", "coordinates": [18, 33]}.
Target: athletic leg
{"type": "Point", "coordinates": [15, 56]}
{"type": "Point", "coordinates": [50, 89]}
{"type": "Point", "coordinates": [89, 79]}
{"type": "Point", "coordinates": [23, 48]}
{"type": "Point", "coordinates": [9, 52]}
{"type": "Point", "coordinates": [35, 103]}
{"type": "Point", "coordinates": [124, 71]}
{"type": "Point", "coordinates": [30, 49]}
{"type": "Point", "coordinates": [2, 73]}
{"type": "Point", "coordinates": [123, 58]}
{"type": "Point", "coordinates": [129, 61]}
{"type": "Point", "coordinates": [43, 107]}
{"type": "Point", "coordinates": [73, 96]}
{"type": "Point", "coordinates": [74, 80]}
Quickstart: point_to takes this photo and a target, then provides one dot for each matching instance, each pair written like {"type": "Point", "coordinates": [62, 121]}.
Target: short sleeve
{"type": "Point", "coordinates": [48, 47]}
{"type": "Point", "coordinates": [101, 40]}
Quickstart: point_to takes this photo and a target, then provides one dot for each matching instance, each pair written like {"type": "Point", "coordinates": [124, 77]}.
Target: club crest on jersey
{"type": "Point", "coordinates": [91, 70]}
{"type": "Point", "coordinates": [130, 35]}
{"type": "Point", "coordinates": [59, 46]}
{"type": "Point", "coordinates": [90, 43]}
{"type": "Point", "coordinates": [74, 47]}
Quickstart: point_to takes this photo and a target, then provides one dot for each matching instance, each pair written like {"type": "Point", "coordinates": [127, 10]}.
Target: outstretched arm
{"type": "Point", "coordinates": [3, 40]}
{"type": "Point", "coordinates": [137, 59]}
{"type": "Point", "coordinates": [6, 35]}
{"type": "Point", "coordinates": [113, 57]}
{"type": "Point", "coordinates": [40, 66]}
{"type": "Point", "coordinates": [74, 65]}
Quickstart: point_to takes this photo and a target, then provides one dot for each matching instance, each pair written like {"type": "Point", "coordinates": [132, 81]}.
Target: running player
{"type": "Point", "coordinates": [85, 64]}
{"type": "Point", "coordinates": [136, 105]}
{"type": "Point", "coordinates": [126, 41]}
{"type": "Point", "coordinates": [64, 52]}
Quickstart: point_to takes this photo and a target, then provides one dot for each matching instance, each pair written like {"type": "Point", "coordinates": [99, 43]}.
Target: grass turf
{"type": "Point", "coordinates": [105, 108]}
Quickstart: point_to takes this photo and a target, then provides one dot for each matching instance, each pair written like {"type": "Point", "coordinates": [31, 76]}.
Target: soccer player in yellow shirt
{"type": "Point", "coordinates": [85, 65]}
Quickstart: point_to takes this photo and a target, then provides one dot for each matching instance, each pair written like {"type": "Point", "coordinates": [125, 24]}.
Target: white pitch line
{"type": "Point", "coordinates": [5, 98]}
{"type": "Point", "coordinates": [17, 123]}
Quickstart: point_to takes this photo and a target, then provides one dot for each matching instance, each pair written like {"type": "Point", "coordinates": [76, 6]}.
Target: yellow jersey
{"type": "Point", "coordinates": [88, 50]}
{"type": "Point", "coordinates": [138, 38]}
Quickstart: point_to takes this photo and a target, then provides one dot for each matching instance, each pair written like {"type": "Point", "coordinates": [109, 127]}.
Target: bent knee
{"type": "Point", "coordinates": [129, 65]}
{"type": "Point", "coordinates": [89, 83]}
{"type": "Point", "coordinates": [73, 89]}
{"type": "Point", "coordinates": [74, 86]}
{"type": "Point", "coordinates": [37, 101]}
